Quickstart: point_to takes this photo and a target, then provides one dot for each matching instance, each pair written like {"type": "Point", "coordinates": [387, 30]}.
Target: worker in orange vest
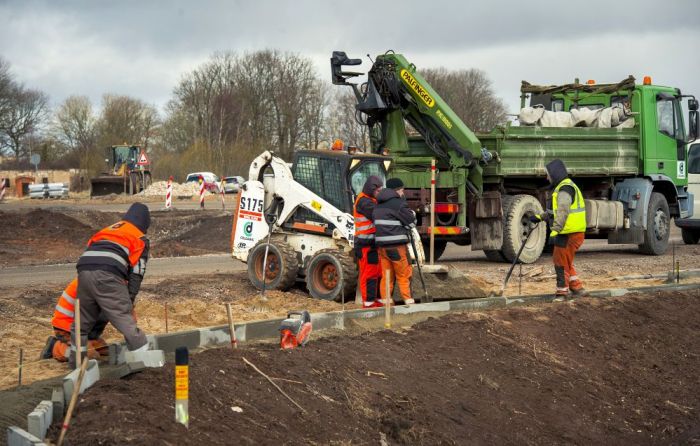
{"type": "Point", "coordinates": [365, 248]}
{"type": "Point", "coordinates": [58, 346]}
{"type": "Point", "coordinates": [110, 271]}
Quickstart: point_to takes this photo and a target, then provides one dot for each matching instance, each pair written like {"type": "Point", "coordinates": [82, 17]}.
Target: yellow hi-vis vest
{"type": "Point", "coordinates": [576, 220]}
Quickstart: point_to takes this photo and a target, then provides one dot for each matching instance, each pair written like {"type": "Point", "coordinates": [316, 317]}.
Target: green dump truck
{"type": "Point", "coordinates": [632, 176]}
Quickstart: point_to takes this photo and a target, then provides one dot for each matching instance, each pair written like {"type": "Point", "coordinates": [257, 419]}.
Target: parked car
{"type": "Point", "coordinates": [232, 184]}
{"type": "Point", "coordinates": [211, 181]}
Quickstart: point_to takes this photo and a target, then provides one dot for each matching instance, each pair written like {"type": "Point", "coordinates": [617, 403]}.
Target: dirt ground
{"type": "Point", "coordinates": [45, 236]}
{"type": "Point", "coordinates": [614, 371]}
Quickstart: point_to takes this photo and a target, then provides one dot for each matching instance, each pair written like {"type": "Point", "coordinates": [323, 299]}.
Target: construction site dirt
{"type": "Point", "coordinates": [614, 371]}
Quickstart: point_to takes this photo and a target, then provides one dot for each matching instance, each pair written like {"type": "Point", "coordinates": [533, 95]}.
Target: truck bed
{"type": "Point", "coordinates": [524, 151]}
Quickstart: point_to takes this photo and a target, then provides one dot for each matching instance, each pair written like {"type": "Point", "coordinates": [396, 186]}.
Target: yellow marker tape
{"type": "Point", "coordinates": [182, 382]}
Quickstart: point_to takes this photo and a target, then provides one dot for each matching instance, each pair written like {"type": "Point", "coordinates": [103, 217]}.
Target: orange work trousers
{"type": "Point", "coordinates": [96, 348]}
{"type": "Point", "coordinates": [563, 257]}
{"type": "Point", "coordinates": [370, 273]}
{"type": "Point", "coordinates": [395, 260]}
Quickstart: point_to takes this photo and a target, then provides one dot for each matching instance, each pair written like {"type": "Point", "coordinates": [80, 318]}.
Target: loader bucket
{"type": "Point", "coordinates": [106, 185]}
{"type": "Point", "coordinates": [445, 282]}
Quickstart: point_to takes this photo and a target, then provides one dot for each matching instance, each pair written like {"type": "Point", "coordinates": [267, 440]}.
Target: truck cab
{"type": "Point", "coordinates": [690, 227]}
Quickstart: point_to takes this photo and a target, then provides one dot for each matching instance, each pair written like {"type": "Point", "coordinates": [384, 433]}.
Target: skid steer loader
{"type": "Point", "coordinates": [306, 210]}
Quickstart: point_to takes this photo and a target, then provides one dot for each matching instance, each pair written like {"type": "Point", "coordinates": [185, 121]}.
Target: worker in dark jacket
{"type": "Point", "coordinates": [365, 248]}
{"type": "Point", "coordinates": [109, 272]}
{"type": "Point", "coordinates": [568, 226]}
{"type": "Point", "coordinates": [393, 219]}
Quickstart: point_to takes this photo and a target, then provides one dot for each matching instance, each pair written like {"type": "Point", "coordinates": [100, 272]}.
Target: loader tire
{"type": "Point", "coordinates": [134, 184]}
{"type": "Point", "coordinates": [282, 265]}
{"type": "Point", "coordinates": [324, 279]}
{"type": "Point", "coordinates": [515, 227]}
{"type": "Point", "coordinates": [658, 226]}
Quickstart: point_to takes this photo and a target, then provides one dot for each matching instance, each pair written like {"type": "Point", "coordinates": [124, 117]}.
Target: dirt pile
{"type": "Point", "coordinates": [179, 190]}
{"type": "Point", "coordinates": [44, 236]}
{"type": "Point", "coordinates": [618, 371]}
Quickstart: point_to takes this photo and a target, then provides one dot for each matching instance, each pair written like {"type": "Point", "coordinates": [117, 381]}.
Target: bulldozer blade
{"type": "Point", "coordinates": [107, 185]}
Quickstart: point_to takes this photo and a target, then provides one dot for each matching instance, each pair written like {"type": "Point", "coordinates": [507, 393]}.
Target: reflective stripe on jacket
{"type": "Point", "coordinates": [118, 247]}
{"type": "Point", "coordinates": [64, 313]}
{"type": "Point", "coordinates": [364, 228]}
{"type": "Point", "coordinates": [391, 217]}
{"type": "Point", "coordinates": [576, 220]}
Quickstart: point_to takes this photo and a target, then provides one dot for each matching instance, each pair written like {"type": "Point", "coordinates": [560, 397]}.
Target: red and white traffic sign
{"type": "Point", "coordinates": [143, 159]}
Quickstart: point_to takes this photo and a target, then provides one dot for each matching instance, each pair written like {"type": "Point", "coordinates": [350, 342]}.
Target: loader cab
{"type": "Point", "coordinates": [124, 155]}
{"type": "Point", "coordinates": [337, 176]}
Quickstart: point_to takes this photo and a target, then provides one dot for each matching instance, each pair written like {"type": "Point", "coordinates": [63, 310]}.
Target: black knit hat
{"type": "Point", "coordinates": [394, 183]}
{"type": "Point", "coordinates": [139, 216]}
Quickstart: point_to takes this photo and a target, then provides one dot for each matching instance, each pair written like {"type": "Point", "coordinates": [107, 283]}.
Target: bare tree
{"type": "Point", "coordinates": [27, 110]}
{"type": "Point", "coordinates": [75, 125]}
{"type": "Point", "coordinates": [126, 120]}
{"type": "Point", "coordinates": [6, 87]}
{"type": "Point", "coordinates": [344, 120]}
{"type": "Point", "coordinates": [470, 94]}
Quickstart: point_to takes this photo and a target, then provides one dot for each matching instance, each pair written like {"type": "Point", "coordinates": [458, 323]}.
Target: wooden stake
{"type": "Point", "coordinates": [73, 399]}
{"type": "Point", "coordinates": [231, 328]}
{"type": "Point", "coordinates": [432, 212]}
{"type": "Point", "coordinates": [166, 317]}
{"type": "Point", "coordinates": [19, 372]}
{"type": "Point", "coordinates": [273, 383]}
{"type": "Point", "coordinates": [388, 300]}
{"type": "Point", "coordinates": [78, 343]}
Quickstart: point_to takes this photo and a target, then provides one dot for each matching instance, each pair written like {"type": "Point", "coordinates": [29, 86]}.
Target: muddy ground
{"type": "Point", "coordinates": [614, 371]}
{"type": "Point", "coordinates": [44, 236]}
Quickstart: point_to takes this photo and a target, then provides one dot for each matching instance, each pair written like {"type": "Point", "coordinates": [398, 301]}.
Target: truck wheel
{"type": "Point", "coordinates": [690, 237]}
{"type": "Point", "coordinates": [493, 255]}
{"type": "Point", "coordinates": [323, 275]}
{"type": "Point", "coordinates": [515, 229]}
{"type": "Point", "coordinates": [658, 226]}
{"type": "Point", "coordinates": [282, 265]}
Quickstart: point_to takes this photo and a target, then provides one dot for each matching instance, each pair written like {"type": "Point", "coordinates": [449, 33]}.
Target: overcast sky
{"type": "Point", "coordinates": [141, 48]}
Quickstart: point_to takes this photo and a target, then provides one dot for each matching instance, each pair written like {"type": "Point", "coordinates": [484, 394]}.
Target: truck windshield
{"type": "Point", "coordinates": [359, 176]}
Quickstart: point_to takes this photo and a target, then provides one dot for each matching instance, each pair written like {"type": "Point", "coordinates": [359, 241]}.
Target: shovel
{"type": "Point", "coordinates": [420, 270]}
{"type": "Point", "coordinates": [517, 257]}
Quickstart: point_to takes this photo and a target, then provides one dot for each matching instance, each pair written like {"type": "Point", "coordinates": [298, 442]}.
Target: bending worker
{"type": "Point", "coordinates": [393, 220]}
{"type": "Point", "coordinates": [568, 228]}
{"type": "Point", "coordinates": [109, 271]}
{"type": "Point", "coordinates": [365, 248]}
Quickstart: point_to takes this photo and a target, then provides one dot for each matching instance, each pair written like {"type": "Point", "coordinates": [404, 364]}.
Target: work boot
{"type": "Point", "coordinates": [559, 297]}
{"type": "Point", "coordinates": [409, 301]}
{"type": "Point", "coordinates": [581, 292]}
{"type": "Point", "coordinates": [47, 351]}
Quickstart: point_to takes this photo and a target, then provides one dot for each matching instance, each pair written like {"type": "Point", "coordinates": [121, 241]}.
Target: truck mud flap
{"type": "Point", "coordinates": [486, 221]}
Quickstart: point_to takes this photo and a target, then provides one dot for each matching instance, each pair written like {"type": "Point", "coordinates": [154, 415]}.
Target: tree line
{"type": "Point", "coordinates": [221, 114]}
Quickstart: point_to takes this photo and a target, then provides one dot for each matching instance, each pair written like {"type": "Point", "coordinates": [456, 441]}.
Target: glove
{"type": "Point", "coordinates": [535, 218]}
{"type": "Point", "coordinates": [553, 234]}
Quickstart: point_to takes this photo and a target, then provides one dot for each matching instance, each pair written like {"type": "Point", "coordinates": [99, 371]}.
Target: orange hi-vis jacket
{"type": "Point", "coordinates": [119, 247]}
{"type": "Point", "coordinates": [364, 227]}
{"type": "Point", "coordinates": [64, 313]}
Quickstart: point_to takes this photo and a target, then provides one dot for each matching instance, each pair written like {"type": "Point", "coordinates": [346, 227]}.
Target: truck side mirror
{"type": "Point", "coordinates": [693, 104]}
{"type": "Point", "coordinates": [693, 123]}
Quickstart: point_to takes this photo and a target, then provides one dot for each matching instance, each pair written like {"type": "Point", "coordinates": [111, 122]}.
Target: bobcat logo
{"type": "Point", "coordinates": [248, 228]}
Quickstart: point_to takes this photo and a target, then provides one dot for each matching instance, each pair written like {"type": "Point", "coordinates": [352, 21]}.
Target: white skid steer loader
{"type": "Point", "coordinates": [306, 213]}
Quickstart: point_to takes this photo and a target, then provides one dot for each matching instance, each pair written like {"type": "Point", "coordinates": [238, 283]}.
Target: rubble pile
{"type": "Point", "coordinates": [158, 188]}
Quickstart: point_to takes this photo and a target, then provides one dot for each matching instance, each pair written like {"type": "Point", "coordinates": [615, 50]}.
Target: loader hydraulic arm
{"type": "Point", "coordinates": [396, 93]}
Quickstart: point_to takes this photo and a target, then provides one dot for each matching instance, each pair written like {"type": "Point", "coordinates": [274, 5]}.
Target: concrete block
{"type": "Point", "coordinates": [58, 401]}
{"type": "Point", "coordinates": [129, 368]}
{"type": "Point", "coordinates": [92, 375]}
{"type": "Point", "coordinates": [149, 358]}
{"type": "Point", "coordinates": [36, 424]}
{"type": "Point", "coordinates": [19, 437]}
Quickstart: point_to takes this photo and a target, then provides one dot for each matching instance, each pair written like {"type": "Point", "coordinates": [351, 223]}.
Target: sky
{"type": "Point", "coordinates": [142, 48]}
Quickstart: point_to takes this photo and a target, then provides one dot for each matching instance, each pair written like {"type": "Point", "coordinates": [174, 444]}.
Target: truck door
{"type": "Point", "coordinates": [670, 150]}
{"type": "Point", "coordinates": [694, 173]}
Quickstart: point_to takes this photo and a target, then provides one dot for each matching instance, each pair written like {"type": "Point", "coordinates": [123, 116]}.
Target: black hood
{"type": "Point", "coordinates": [557, 171]}
{"type": "Point", "coordinates": [387, 194]}
{"type": "Point", "coordinates": [139, 216]}
{"type": "Point", "coordinates": [373, 183]}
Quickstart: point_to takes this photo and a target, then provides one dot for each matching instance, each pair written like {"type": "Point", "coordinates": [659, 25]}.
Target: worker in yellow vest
{"type": "Point", "coordinates": [568, 228]}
